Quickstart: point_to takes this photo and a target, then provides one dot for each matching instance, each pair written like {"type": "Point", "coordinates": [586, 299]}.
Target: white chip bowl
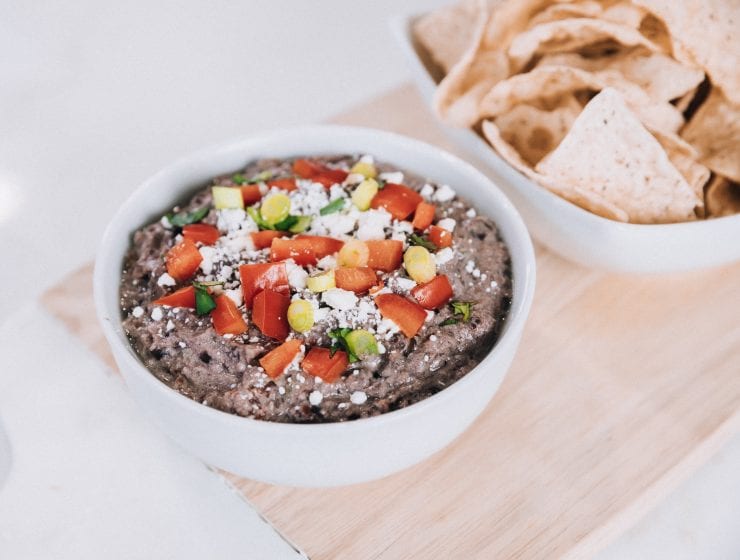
{"type": "Point", "coordinates": [313, 454]}
{"type": "Point", "coordinates": [571, 231]}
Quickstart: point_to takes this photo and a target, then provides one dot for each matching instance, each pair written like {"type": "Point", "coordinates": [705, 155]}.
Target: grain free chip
{"type": "Point", "coordinates": [685, 159]}
{"type": "Point", "coordinates": [722, 197]}
{"type": "Point", "coordinates": [571, 34]}
{"type": "Point", "coordinates": [608, 152]}
{"type": "Point", "coordinates": [714, 131]}
{"type": "Point", "coordinates": [567, 10]}
{"type": "Point", "coordinates": [584, 198]}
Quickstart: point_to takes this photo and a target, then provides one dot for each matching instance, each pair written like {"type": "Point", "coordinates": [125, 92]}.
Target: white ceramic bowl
{"type": "Point", "coordinates": [573, 232]}
{"type": "Point", "coordinates": [317, 454]}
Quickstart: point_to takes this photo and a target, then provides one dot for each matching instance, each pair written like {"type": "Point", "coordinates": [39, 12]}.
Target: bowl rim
{"type": "Point", "coordinates": [401, 27]}
{"type": "Point", "coordinates": [522, 292]}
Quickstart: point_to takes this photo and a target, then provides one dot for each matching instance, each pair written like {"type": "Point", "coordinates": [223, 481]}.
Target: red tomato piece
{"type": "Point", "coordinates": [423, 216]}
{"type": "Point", "coordinates": [263, 239]}
{"type": "Point", "coordinates": [358, 280]}
{"type": "Point", "coordinates": [183, 260]}
{"type": "Point", "coordinates": [398, 200]}
{"type": "Point", "coordinates": [204, 233]}
{"type": "Point", "coordinates": [304, 249]}
{"type": "Point", "coordinates": [184, 297]}
{"type": "Point", "coordinates": [226, 317]}
{"type": "Point", "coordinates": [407, 314]}
{"type": "Point", "coordinates": [262, 276]}
{"type": "Point", "coordinates": [251, 194]}
{"type": "Point", "coordinates": [270, 313]}
{"type": "Point", "coordinates": [286, 183]}
{"type": "Point", "coordinates": [318, 172]}
{"type": "Point", "coordinates": [440, 237]}
{"type": "Point", "coordinates": [434, 294]}
{"type": "Point", "coordinates": [277, 359]}
{"type": "Point", "coordinates": [385, 254]}
{"type": "Point", "coordinates": [320, 363]}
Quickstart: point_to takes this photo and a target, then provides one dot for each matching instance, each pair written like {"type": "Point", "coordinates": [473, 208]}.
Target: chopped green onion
{"type": "Point", "coordinates": [286, 224]}
{"type": "Point", "coordinates": [333, 206]}
{"type": "Point", "coordinates": [415, 239]}
{"type": "Point", "coordinates": [238, 178]}
{"type": "Point", "coordinates": [261, 177]}
{"type": "Point", "coordinates": [186, 218]}
{"type": "Point", "coordinates": [357, 343]}
{"type": "Point", "coordinates": [449, 321]}
{"type": "Point", "coordinates": [254, 213]}
{"type": "Point", "coordinates": [301, 224]}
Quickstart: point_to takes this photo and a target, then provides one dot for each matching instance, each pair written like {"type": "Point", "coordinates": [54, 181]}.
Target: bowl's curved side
{"type": "Point", "coordinates": [327, 454]}
{"type": "Point", "coordinates": [573, 232]}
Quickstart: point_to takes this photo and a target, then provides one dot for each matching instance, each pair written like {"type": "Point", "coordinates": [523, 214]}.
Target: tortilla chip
{"type": "Point", "coordinates": [589, 200]}
{"type": "Point", "coordinates": [685, 159]}
{"type": "Point", "coordinates": [571, 34]}
{"type": "Point", "coordinates": [722, 197]}
{"type": "Point", "coordinates": [704, 33]}
{"type": "Point", "coordinates": [447, 33]}
{"type": "Point", "coordinates": [567, 10]}
{"type": "Point", "coordinates": [624, 13]}
{"type": "Point", "coordinates": [609, 152]}
{"type": "Point", "coordinates": [535, 132]}
{"type": "Point", "coordinates": [659, 75]}
{"type": "Point", "coordinates": [484, 63]}
{"type": "Point", "coordinates": [714, 131]}
{"type": "Point", "coordinates": [558, 81]}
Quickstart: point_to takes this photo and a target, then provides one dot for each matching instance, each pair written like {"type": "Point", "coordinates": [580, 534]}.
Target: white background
{"type": "Point", "coordinates": [94, 97]}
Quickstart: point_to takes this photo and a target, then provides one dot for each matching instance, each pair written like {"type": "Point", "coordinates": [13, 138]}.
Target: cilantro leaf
{"type": "Point", "coordinates": [339, 336]}
{"type": "Point", "coordinates": [301, 224]}
{"type": "Point", "coordinates": [449, 321]}
{"type": "Point", "coordinates": [333, 206]}
{"type": "Point", "coordinates": [463, 308]}
{"type": "Point", "coordinates": [238, 178]}
{"type": "Point", "coordinates": [186, 218]}
{"type": "Point", "coordinates": [415, 239]}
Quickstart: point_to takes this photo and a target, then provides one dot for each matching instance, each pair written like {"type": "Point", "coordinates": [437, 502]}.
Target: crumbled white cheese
{"type": "Point", "coordinates": [166, 280]}
{"type": "Point", "coordinates": [170, 325]}
{"type": "Point", "coordinates": [447, 223]}
{"type": "Point", "coordinates": [235, 295]}
{"type": "Point", "coordinates": [469, 267]}
{"type": "Point", "coordinates": [281, 390]}
{"type": "Point", "coordinates": [427, 191]}
{"type": "Point", "coordinates": [430, 315]}
{"type": "Point", "coordinates": [476, 273]}
{"type": "Point", "coordinates": [308, 199]}
{"type": "Point", "coordinates": [368, 158]}
{"type": "Point", "coordinates": [137, 311]}
{"type": "Point", "coordinates": [354, 179]}
{"type": "Point", "coordinates": [387, 327]}
{"type": "Point", "coordinates": [445, 193]}
{"type": "Point", "coordinates": [327, 263]}
{"type": "Point", "coordinates": [381, 348]}
{"type": "Point", "coordinates": [401, 229]}
{"type": "Point", "coordinates": [443, 256]}
{"type": "Point", "coordinates": [336, 191]}
{"type": "Point", "coordinates": [358, 397]}
{"type": "Point", "coordinates": [157, 314]}
{"type": "Point", "coordinates": [315, 398]}
{"type": "Point", "coordinates": [494, 284]}
{"type": "Point", "coordinates": [224, 275]}
{"type": "Point", "coordinates": [165, 221]}
{"type": "Point", "coordinates": [471, 213]}
{"type": "Point", "coordinates": [334, 225]}
{"type": "Point", "coordinates": [209, 256]}
{"type": "Point", "coordinates": [296, 275]}
{"type": "Point", "coordinates": [236, 242]}
{"type": "Point", "coordinates": [433, 338]}
{"type": "Point", "coordinates": [339, 299]}
{"type": "Point", "coordinates": [182, 344]}
{"type": "Point", "coordinates": [372, 224]}
{"type": "Point", "coordinates": [233, 219]}
{"type": "Point", "coordinates": [395, 177]}
{"type": "Point", "coordinates": [320, 314]}
{"type": "Point", "coordinates": [405, 284]}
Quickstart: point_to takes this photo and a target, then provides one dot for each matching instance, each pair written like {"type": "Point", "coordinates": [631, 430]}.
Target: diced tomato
{"type": "Point", "coordinates": [262, 276]}
{"type": "Point", "coordinates": [183, 260]}
{"type": "Point", "coordinates": [226, 317]}
{"type": "Point", "coordinates": [398, 200]}
{"type": "Point", "coordinates": [320, 363]}
{"type": "Point", "coordinates": [270, 313]}
{"type": "Point", "coordinates": [263, 239]}
{"type": "Point", "coordinates": [304, 249]}
{"type": "Point", "coordinates": [277, 359]}
{"type": "Point", "coordinates": [184, 297]}
{"type": "Point", "coordinates": [434, 294]}
{"type": "Point", "coordinates": [440, 237]}
{"type": "Point", "coordinates": [407, 314]}
{"type": "Point", "coordinates": [286, 183]}
{"type": "Point", "coordinates": [423, 216]}
{"type": "Point", "coordinates": [385, 254]}
{"type": "Point", "coordinates": [318, 172]}
{"type": "Point", "coordinates": [204, 233]}
{"type": "Point", "coordinates": [251, 194]}
{"type": "Point", "coordinates": [379, 286]}
{"type": "Point", "coordinates": [358, 280]}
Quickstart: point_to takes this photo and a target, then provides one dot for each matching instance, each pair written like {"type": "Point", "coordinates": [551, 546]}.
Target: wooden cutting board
{"type": "Point", "coordinates": [621, 387]}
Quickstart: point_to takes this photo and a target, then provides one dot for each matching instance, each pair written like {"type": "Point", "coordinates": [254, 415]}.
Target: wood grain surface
{"type": "Point", "coordinates": [621, 387]}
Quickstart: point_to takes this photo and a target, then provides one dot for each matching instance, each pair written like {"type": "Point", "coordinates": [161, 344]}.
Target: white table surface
{"type": "Point", "coordinates": [94, 97]}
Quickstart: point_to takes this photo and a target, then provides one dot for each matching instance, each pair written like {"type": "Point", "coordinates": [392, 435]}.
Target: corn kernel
{"type": "Point", "coordinates": [419, 264]}
{"type": "Point", "coordinates": [227, 197]}
{"type": "Point", "coordinates": [321, 282]}
{"type": "Point", "coordinates": [354, 253]}
{"type": "Point", "coordinates": [363, 195]}
{"type": "Point", "coordinates": [300, 315]}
